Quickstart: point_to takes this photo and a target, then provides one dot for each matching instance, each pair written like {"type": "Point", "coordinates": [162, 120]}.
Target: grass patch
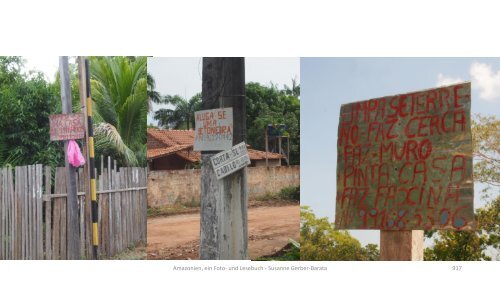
{"type": "Point", "coordinates": [291, 252]}
{"type": "Point", "coordinates": [171, 210]}
{"type": "Point", "coordinates": [136, 252]}
{"type": "Point", "coordinates": [291, 193]}
{"type": "Point", "coordinates": [285, 195]}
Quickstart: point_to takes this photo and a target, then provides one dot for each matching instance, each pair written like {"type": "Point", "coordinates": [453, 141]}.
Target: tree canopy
{"type": "Point", "coordinates": [320, 241]}
{"type": "Point", "coordinates": [26, 103]}
{"type": "Point", "coordinates": [268, 105]}
{"type": "Point", "coordinates": [182, 116]}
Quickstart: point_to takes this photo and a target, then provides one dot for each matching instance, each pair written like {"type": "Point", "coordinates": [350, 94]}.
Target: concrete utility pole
{"type": "Point", "coordinates": [72, 199]}
{"type": "Point", "coordinates": [224, 223]}
{"type": "Point", "coordinates": [404, 245]}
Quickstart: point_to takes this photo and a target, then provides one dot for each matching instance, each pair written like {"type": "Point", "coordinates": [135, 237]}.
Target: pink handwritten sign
{"type": "Point", "coordinates": [66, 126]}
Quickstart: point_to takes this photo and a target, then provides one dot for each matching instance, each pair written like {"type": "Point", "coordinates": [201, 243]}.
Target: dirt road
{"type": "Point", "coordinates": [177, 237]}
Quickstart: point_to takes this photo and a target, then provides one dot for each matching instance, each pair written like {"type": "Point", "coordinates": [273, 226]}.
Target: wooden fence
{"type": "Point", "coordinates": [33, 211]}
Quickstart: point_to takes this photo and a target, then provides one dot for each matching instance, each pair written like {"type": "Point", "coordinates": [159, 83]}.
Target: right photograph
{"type": "Point", "coordinates": [400, 159]}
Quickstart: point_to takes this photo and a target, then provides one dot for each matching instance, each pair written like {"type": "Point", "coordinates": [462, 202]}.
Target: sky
{"type": "Point", "coordinates": [182, 76]}
{"type": "Point", "coordinates": [49, 65]}
{"type": "Point", "coordinates": [329, 82]}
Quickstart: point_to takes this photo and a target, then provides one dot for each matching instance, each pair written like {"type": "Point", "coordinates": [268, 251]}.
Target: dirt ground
{"type": "Point", "coordinates": [269, 228]}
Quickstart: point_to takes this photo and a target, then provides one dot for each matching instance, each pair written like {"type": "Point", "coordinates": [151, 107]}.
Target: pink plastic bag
{"type": "Point", "coordinates": [75, 156]}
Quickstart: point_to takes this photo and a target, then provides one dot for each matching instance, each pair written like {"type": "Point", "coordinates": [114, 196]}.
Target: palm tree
{"type": "Point", "coordinates": [294, 90]}
{"type": "Point", "coordinates": [182, 116]}
{"type": "Point", "coordinates": [119, 93]}
{"type": "Point", "coordinates": [153, 96]}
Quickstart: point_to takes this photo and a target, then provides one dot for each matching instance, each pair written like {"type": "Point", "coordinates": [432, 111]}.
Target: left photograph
{"type": "Point", "coordinates": [73, 176]}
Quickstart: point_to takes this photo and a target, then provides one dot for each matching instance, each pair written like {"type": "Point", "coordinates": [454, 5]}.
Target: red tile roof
{"type": "Point", "coordinates": [165, 142]}
{"type": "Point", "coordinates": [164, 151]}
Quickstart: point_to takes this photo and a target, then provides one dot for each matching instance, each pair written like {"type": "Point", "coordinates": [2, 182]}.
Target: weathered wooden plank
{"type": "Point", "coordinates": [125, 208]}
{"type": "Point", "coordinates": [125, 205]}
{"type": "Point", "coordinates": [4, 224]}
{"type": "Point", "coordinates": [133, 212]}
{"type": "Point", "coordinates": [31, 214]}
{"type": "Point", "coordinates": [23, 185]}
{"type": "Point", "coordinates": [16, 221]}
{"type": "Point", "coordinates": [22, 214]}
{"type": "Point", "coordinates": [32, 205]}
{"type": "Point", "coordinates": [110, 209]}
{"type": "Point", "coordinates": [34, 215]}
{"type": "Point", "coordinates": [88, 222]}
{"type": "Point", "coordinates": [3, 212]}
{"type": "Point", "coordinates": [39, 212]}
{"type": "Point", "coordinates": [48, 214]}
{"type": "Point", "coordinates": [25, 217]}
{"type": "Point", "coordinates": [64, 217]}
{"type": "Point", "coordinates": [101, 228]}
{"type": "Point", "coordinates": [81, 205]}
{"type": "Point", "coordinates": [144, 205]}
{"type": "Point", "coordinates": [27, 190]}
{"type": "Point", "coordinates": [29, 226]}
{"type": "Point", "coordinates": [10, 220]}
{"type": "Point", "coordinates": [119, 212]}
{"type": "Point", "coordinates": [56, 231]}
{"type": "Point", "coordinates": [105, 215]}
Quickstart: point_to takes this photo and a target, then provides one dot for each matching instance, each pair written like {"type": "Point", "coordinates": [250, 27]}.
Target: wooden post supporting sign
{"type": "Point", "coordinates": [73, 232]}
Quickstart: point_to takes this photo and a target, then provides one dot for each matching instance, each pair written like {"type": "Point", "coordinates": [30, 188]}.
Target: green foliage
{"type": "Point", "coordinates": [182, 116]}
{"type": "Point", "coordinates": [268, 105]}
{"type": "Point", "coordinates": [26, 103]}
{"type": "Point", "coordinates": [486, 144]}
{"type": "Point", "coordinates": [119, 93]}
{"type": "Point", "coordinates": [320, 241]}
{"type": "Point", "coordinates": [371, 252]}
{"type": "Point", "coordinates": [468, 245]}
{"type": "Point", "coordinates": [153, 95]}
{"type": "Point", "coordinates": [291, 252]}
{"type": "Point", "coordinates": [291, 193]}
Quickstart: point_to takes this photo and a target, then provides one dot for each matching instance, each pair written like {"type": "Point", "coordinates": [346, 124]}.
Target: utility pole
{"type": "Point", "coordinates": [72, 199]}
{"type": "Point", "coordinates": [224, 219]}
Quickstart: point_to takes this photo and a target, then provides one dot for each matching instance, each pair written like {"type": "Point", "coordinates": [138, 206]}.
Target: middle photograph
{"type": "Point", "coordinates": [223, 152]}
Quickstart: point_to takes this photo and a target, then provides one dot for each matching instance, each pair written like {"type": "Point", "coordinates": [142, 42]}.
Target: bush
{"type": "Point", "coordinates": [291, 193]}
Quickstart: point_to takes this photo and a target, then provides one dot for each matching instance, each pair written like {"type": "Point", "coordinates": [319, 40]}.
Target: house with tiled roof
{"type": "Point", "coordinates": [173, 150]}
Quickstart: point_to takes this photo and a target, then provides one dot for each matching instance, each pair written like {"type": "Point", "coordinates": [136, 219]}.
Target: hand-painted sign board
{"type": "Point", "coordinates": [230, 161]}
{"type": "Point", "coordinates": [405, 162]}
{"type": "Point", "coordinates": [66, 126]}
{"type": "Point", "coordinates": [213, 129]}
